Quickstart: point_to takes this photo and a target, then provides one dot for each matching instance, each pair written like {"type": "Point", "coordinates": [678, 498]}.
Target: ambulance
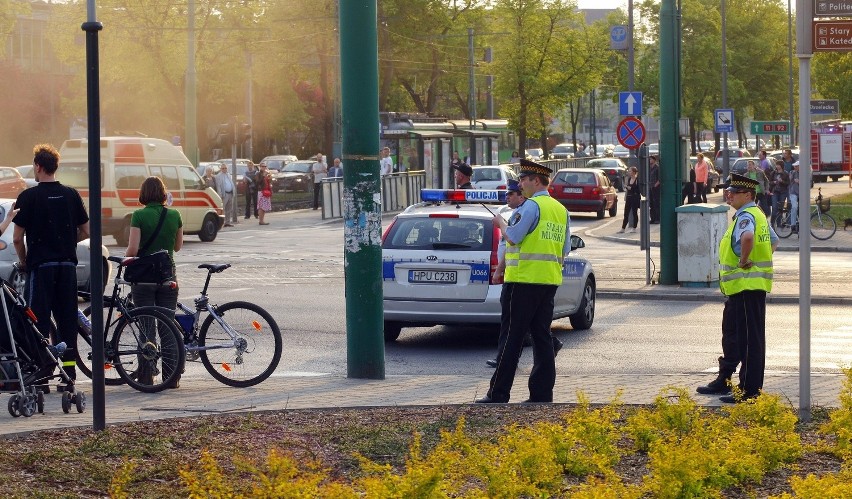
{"type": "Point", "coordinates": [125, 163]}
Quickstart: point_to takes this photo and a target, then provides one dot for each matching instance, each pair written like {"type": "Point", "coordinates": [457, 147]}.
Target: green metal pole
{"type": "Point", "coordinates": [669, 140]}
{"type": "Point", "coordinates": [362, 215]}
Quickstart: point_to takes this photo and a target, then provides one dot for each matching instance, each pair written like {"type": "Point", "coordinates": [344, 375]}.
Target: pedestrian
{"type": "Point", "coordinates": [225, 188]}
{"type": "Point", "coordinates": [515, 159]}
{"type": "Point", "coordinates": [319, 170]}
{"type": "Point", "coordinates": [756, 173]}
{"type": "Point", "coordinates": [386, 163]}
{"type": "Point", "coordinates": [456, 161]}
{"type": "Point", "coordinates": [780, 181]}
{"type": "Point", "coordinates": [462, 177]}
{"type": "Point", "coordinates": [689, 193]}
{"type": "Point", "coordinates": [155, 228]}
{"type": "Point", "coordinates": [765, 164]}
{"type": "Point", "coordinates": [336, 170]}
{"type": "Point", "coordinates": [250, 183]}
{"type": "Point", "coordinates": [632, 197]}
{"type": "Point", "coordinates": [745, 276]}
{"type": "Point", "coordinates": [788, 159]}
{"type": "Point", "coordinates": [264, 198]}
{"type": "Point", "coordinates": [536, 243]}
{"type": "Point", "coordinates": [50, 221]}
{"type": "Point", "coordinates": [794, 196]}
{"type": "Point", "coordinates": [702, 172]}
{"type": "Point", "coordinates": [210, 178]}
{"type": "Point", "coordinates": [654, 179]}
{"type": "Point", "coordinates": [514, 199]}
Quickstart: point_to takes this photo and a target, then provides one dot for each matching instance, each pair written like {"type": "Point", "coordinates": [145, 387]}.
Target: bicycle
{"type": "Point", "coordinates": [823, 225]}
{"type": "Point", "coordinates": [222, 345]}
{"type": "Point", "coordinates": [133, 352]}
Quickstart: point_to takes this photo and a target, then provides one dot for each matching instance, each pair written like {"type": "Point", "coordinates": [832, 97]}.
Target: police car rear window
{"type": "Point", "coordinates": [457, 234]}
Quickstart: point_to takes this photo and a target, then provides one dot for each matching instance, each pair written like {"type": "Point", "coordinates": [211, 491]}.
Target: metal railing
{"type": "Point", "coordinates": [398, 191]}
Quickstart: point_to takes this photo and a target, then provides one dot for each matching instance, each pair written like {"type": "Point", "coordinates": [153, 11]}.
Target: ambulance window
{"type": "Point", "coordinates": [76, 174]}
{"type": "Point", "coordinates": [130, 176]}
{"type": "Point", "coordinates": [168, 174]}
{"type": "Point", "coordinates": [191, 180]}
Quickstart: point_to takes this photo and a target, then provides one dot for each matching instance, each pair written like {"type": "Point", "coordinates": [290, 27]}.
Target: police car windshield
{"type": "Point", "coordinates": [439, 233]}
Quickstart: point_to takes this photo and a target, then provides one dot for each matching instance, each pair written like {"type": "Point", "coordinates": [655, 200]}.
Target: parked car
{"type": "Point", "coordinates": [28, 173]}
{"type": "Point", "coordinates": [733, 155]}
{"type": "Point", "coordinates": [11, 182]}
{"type": "Point", "coordinates": [438, 263]}
{"type": "Point", "coordinates": [619, 151]}
{"type": "Point", "coordinates": [295, 176]}
{"type": "Point", "coordinates": [582, 189]}
{"type": "Point", "coordinates": [18, 279]}
{"type": "Point", "coordinates": [535, 153]}
{"type": "Point", "coordinates": [277, 162]}
{"type": "Point", "coordinates": [202, 167]}
{"type": "Point", "coordinates": [614, 168]}
{"type": "Point", "coordinates": [563, 151]}
{"type": "Point", "coordinates": [776, 155]}
{"type": "Point", "coordinates": [603, 150]}
{"type": "Point", "coordinates": [654, 149]}
{"type": "Point", "coordinates": [740, 166]}
{"type": "Point", "coordinates": [492, 177]}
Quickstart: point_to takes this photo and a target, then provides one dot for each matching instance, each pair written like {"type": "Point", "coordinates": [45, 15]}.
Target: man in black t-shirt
{"type": "Point", "coordinates": [53, 219]}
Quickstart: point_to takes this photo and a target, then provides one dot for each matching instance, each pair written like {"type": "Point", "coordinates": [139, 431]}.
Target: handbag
{"type": "Point", "coordinates": [154, 268]}
{"type": "Point", "coordinates": [267, 190]}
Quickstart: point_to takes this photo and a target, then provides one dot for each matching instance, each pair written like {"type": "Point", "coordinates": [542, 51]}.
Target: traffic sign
{"type": "Point", "coordinates": [770, 127]}
{"type": "Point", "coordinates": [832, 8]}
{"type": "Point", "coordinates": [825, 106]}
{"type": "Point", "coordinates": [724, 119]}
{"type": "Point", "coordinates": [630, 103]}
{"type": "Point", "coordinates": [630, 132]}
{"type": "Point", "coordinates": [618, 38]}
{"type": "Point", "coordinates": [832, 36]}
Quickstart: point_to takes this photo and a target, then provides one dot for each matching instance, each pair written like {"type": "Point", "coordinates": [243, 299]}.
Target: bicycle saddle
{"type": "Point", "coordinates": [214, 268]}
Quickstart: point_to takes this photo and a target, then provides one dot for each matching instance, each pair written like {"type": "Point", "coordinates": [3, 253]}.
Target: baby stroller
{"type": "Point", "coordinates": [28, 360]}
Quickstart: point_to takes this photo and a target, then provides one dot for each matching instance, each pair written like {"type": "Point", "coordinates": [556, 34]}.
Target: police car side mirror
{"type": "Point", "coordinates": [577, 243]}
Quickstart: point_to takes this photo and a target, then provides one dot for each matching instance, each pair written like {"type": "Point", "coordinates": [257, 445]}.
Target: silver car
{"type": "Point", "coordinates": [8, 258]}
{"type": "Point", "coordinates": [492, 177]}
{"type": "Point", "coordinates": [438, 261]}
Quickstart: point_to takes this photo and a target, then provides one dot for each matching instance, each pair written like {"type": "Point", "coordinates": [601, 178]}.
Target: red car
{"type": "Point", "coordinates": [11, 183]}
{"type": "Point", "coordinates": [582, 189]}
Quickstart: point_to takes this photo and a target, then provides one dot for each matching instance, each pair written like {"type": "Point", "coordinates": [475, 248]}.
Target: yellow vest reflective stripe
{"type": "Point", "coordinates": [536, 259]}
{"type": "Point", "coordinates": [732, 279]}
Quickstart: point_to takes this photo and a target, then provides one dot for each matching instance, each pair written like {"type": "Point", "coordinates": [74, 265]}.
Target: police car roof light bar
{"type": "Point", "coordinates": [463, 196]}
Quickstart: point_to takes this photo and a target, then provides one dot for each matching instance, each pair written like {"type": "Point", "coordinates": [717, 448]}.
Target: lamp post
{"type": "Point", "coordinates": [790, 69]}
{"type": "Point", "coordinates": [726, 154]}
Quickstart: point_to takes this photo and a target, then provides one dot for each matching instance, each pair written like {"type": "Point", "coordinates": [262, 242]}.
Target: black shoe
{"type": "Point", "coordinates": [718, 386]}
{"type": "Point", "coordinates": [488, 400]}
{"type": "Point", "coordinates": [730, 399]}
{"type": "Point", "coordinates": [491, 363]}
{"type": "Point", "coordinates": [557, 346]}
{"type": "Point", "coordinates": [531, 401]}
{"type": "Point", "coordinates": [247, 217]}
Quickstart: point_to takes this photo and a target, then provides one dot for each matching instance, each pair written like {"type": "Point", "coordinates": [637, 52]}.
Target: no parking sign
{"type": "Point", "coordinates": [630, 132]}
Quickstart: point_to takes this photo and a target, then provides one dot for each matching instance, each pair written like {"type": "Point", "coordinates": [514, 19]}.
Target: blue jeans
{"type": "Point", "coordinates": [794, 209]}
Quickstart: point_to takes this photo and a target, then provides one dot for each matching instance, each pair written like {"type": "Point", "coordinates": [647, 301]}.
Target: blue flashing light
{"type": "Point", "coordinates": [463, 196]}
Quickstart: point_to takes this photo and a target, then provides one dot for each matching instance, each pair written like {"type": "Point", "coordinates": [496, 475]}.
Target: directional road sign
{"type": "Point", "coordinates": [724, 119]}
{"type": "Point", "coordinates": [630, 132]}
{"type": "Point", "coordinates": [832, 36]}
{"type": "Point", "coordinates": [825, 106]}
{"type": "Point", "coordinates": [630, 103]}
{"type": "Point", "coordinates": [770, 127]}
{"type": "Point", "coordinates": [832, 8]}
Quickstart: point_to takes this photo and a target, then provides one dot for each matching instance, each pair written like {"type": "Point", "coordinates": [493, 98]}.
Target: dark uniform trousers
{"type": "Point", "coordinates": [530, 308]}
{"type": "Point", "coordinates": [745, 312]}
{"type": "Point", "coordinates": [504, 320]}
{"type": "Point", "coordinates": [730, 358]}
{"type": "Point", "coordinates": [52, 288]}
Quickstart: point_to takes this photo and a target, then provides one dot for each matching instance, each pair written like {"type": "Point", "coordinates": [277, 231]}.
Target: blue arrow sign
{"type": "Point", "coordinates": [630, 103]}
{"type": "Point", "coordinates": [724, 119]}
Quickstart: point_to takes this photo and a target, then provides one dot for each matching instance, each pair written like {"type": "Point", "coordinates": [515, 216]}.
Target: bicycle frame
{"type": "Point", "coordinates": [202, 304]}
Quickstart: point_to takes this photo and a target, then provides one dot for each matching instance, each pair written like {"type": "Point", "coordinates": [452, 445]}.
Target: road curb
{"type": "Point", "coordinates": [785, 299]}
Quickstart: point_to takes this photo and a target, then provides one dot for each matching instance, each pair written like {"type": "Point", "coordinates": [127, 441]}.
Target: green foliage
{"type": "Point", "coordinates": [813, 487]}
{"type": "Point", "coordinates": [839, 425]}
{"type": "Point", "coordinates": [121, 479]}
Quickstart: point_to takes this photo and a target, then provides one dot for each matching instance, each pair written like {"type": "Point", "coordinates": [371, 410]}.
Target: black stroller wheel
{"type": "Point", "coordinates": [13, 406]}
{"type": "Point", "coordinates": [80, 401]}
{"type": "Point", "coordinates": [40, 402]}
{"type": "Point", "coordinates": [66, 402]}
{"type": "Point", "coordinates": [27, 405]}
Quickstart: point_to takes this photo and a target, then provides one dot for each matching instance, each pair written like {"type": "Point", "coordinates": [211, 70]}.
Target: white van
{"type": "Point", "coordinates": [125, 163]}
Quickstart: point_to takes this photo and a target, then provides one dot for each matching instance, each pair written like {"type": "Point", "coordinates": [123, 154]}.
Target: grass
{"type": "Point", "coordinates": [841, 207]}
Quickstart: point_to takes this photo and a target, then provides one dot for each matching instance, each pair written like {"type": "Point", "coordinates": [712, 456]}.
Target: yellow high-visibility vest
{"type": "Point", "coordinates": [733, 279]}
{"type": "Point", "coordinates": [537, 259]}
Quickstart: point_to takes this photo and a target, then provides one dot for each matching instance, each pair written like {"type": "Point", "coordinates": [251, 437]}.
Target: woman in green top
{"type": "Point", "coordinates": [143, 223]}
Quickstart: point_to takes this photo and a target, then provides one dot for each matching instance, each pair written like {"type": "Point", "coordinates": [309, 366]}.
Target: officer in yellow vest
{"type": "Point", "coordinates": [745, 276]}
{"type": "Point", "coordinates": [536, 243]}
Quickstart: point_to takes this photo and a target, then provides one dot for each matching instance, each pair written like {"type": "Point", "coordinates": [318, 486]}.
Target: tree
{"type": "Point", "coordinates": [551, 58]}
{"type": "Point", "coordinates": [829, 75]}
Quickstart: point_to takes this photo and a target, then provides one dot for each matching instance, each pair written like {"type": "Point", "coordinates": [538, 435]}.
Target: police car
{"type": "Point", "coordinates": [438, 263]}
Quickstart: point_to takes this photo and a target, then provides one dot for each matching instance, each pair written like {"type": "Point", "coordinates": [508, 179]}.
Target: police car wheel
{"type": "Point", "coordinates": [392, 330]}
{"type": "Point", "coordinates": [585, 315]}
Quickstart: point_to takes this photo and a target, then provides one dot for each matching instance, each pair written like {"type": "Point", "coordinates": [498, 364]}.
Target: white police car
{"type": "Point", "coordinates": [438, 263]}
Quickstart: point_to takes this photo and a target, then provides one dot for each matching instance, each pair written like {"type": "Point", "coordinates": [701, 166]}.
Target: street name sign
{"type": "Point", "coordinates": [618, 38]}
{"type": "Point", "coordinates": [825, 106]}
{"type": "Point", "coordinates": [724, 120]}
{"type": "Point", "coordinates": [832, 8]}
{"type": "Point", "coordinates": [770, 127]}
{"type": "Point", "coordinates": [630, 104]}
{"type": "Point", "coordinates": [832, 36]}
{"type": "Point", "coordinates": [630, 132]}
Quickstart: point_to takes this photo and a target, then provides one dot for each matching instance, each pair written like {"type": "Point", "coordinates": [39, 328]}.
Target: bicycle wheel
{"type": "Point", "coordinates": [148, 349]}
{"type": "Point", "coordinates": [782, 225]}
{"type": "Point", "coordinates": [83, 355]}
{"type": "Point", "coordinates": [823, 226]}
{"type": "Point", "coordinates": [248, 356]}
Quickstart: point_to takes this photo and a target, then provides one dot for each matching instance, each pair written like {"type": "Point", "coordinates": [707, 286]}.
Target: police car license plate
{"type": "Point", "coordinates": [433, 276]}
{"type": "Point", "coordinates": [574, 190]}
